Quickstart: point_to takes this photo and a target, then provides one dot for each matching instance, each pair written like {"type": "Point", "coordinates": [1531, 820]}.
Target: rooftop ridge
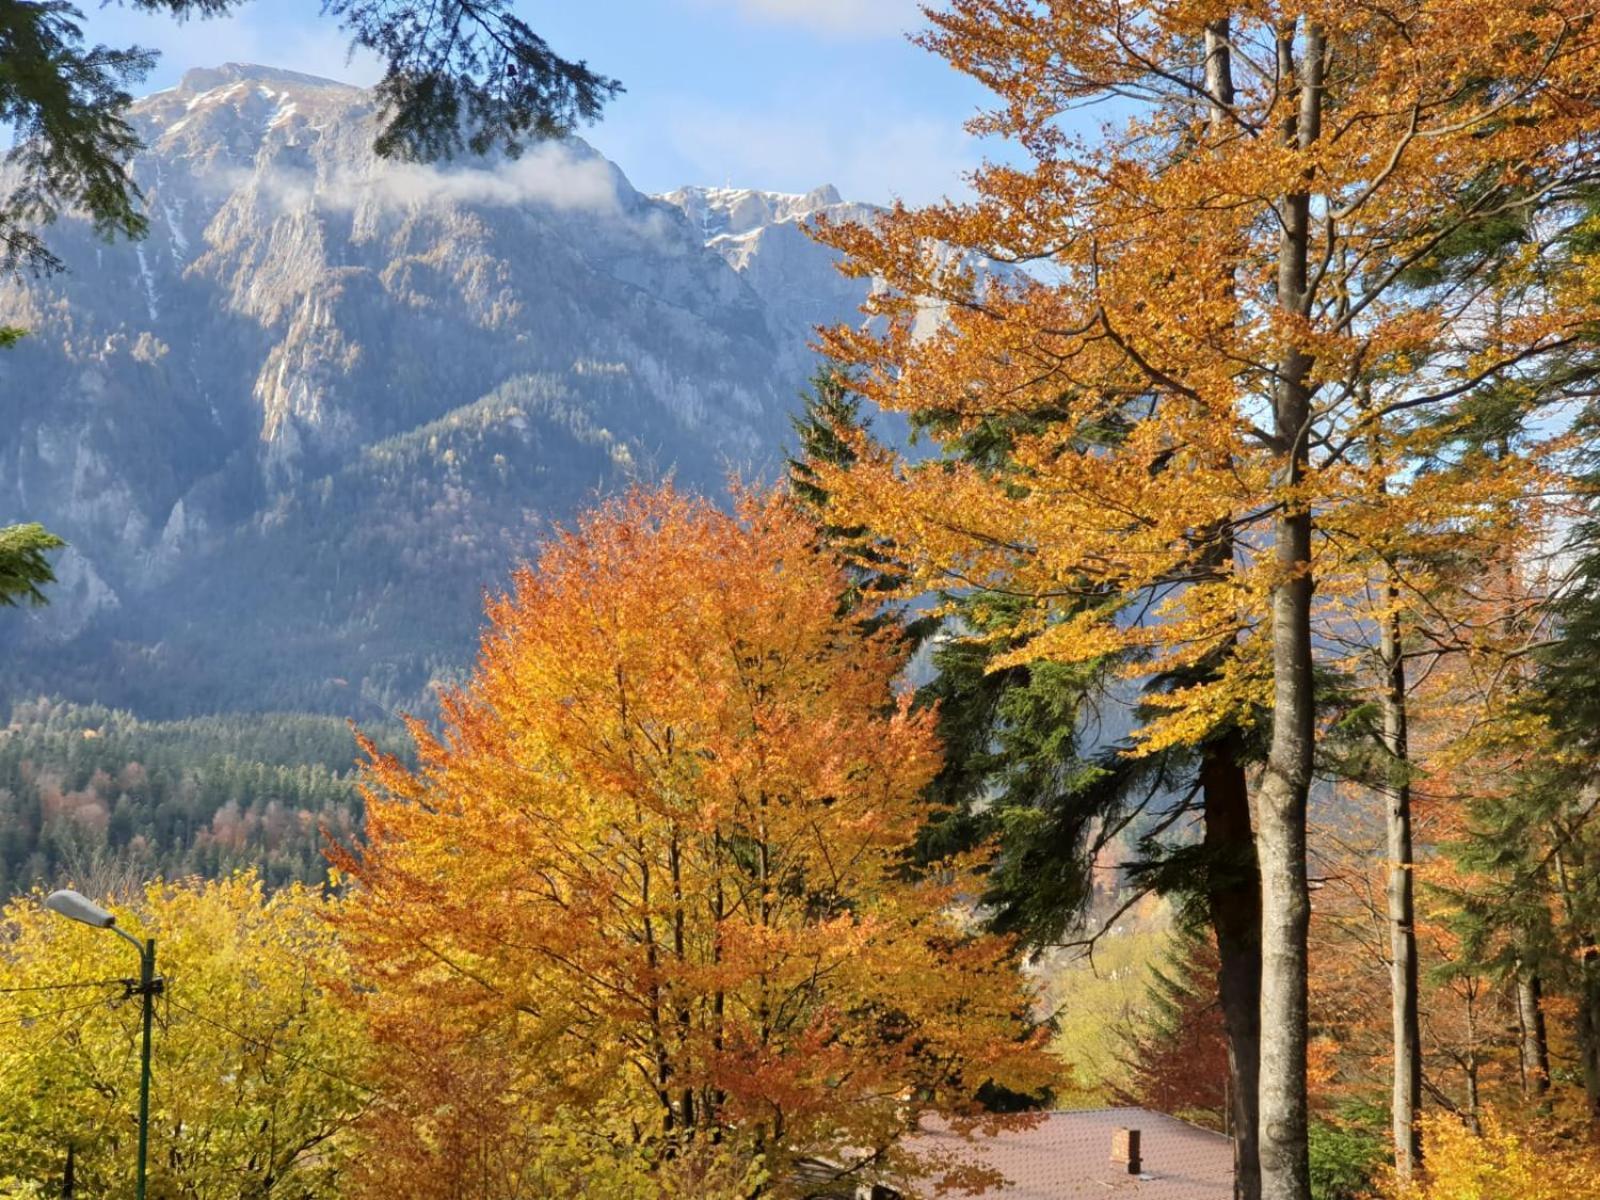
{"type": "Point", "coordinates": [1154, 1112]}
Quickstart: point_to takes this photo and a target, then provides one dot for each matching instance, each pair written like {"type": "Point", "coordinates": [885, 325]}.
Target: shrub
{"type": "Point", "coordinates": [1532, 1162]}
{"type": "Point", "coordinates": [1345, 1160]}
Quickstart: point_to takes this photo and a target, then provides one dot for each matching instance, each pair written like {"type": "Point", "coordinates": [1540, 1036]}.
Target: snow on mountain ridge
{"type": "Point", "coordinates": [763, 236]}
{"type": "Point", "coordinates": [203, 79]}
{"type": "Point", "coordinates": [729, 212]}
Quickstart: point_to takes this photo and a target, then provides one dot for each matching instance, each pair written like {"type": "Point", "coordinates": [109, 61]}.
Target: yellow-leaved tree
{"type": "Point", "coordinates": [1505, 1160]}
{"type": "Point", "coordinates": [253, 1082]}
{"type": "Point", "coordinates": [1229, 339]}
{"type": "Point", "coordinates": [643, 921]}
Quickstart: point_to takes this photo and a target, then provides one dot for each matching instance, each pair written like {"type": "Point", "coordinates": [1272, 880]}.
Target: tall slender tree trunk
{"type": "Point", "coordinates": [1470, 1066]}
{"type": "Point", "coordinates": [1395, 788]}
{"type": "Point", "coordinates": [714, 1095]}
{"type": "Point", "coordinates": [1407, 1054]}
{"type": "Point", "coordinates": [1234, 890]}
{"type": "Point", "coordinates": [1588, 1030]}
{"type": "Point", "coordinates": [1234, 899]}
{"type": "Point", "coordinates": [1535, 1047]}
{"type": "Point", "coordinates": [1588, 1022]}
{"type": "Point", "coordinates": [1281, 815]}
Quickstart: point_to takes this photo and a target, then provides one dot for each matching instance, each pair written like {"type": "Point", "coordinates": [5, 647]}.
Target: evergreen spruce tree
{"type": "Point", "coordinates": [1176, 1049]}
{"type": "Point", "coordinates": [1022, 763]}
{"type": "Point", "coordinates": [25, 564]}
{"type": "Point", "coordinates": [1013, 763]}
{"type": "Point", "coordinates": [1526, 917]}
{"type": "Point", "coordinates": [1535, 922]}
{"type": "Point", "coordinates": [1565, 801]}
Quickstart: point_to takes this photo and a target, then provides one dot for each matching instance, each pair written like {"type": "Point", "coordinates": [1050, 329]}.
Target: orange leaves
{"type": "Point", "coordinates": [656, 861]}
{"type": "Point", "coordinates": [1135, 359]}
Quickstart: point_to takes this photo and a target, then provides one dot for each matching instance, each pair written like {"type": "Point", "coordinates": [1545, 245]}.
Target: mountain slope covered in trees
{"type": "Point", "coordinates": [95, 795]}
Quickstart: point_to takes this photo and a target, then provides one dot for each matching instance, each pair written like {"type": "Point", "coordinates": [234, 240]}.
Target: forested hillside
{"type": "Point", "coordinates": [95, 795]}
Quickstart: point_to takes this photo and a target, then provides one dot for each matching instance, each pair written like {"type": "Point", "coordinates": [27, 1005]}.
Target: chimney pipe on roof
{"type": "Point", "coordinates": [1125, 1149]}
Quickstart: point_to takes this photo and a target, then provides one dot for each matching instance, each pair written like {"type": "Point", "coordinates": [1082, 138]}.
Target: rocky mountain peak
{"type": "Point", "coordinates": [763, 236]}
{"type": "Point", "coordinates": [294, 433]}
{"type": "Point", "coordinates": [223, 117]}
{"type": "Point", "coordinates": [735, 212]}
{"type": "Point", "coordinates": [205, 79]}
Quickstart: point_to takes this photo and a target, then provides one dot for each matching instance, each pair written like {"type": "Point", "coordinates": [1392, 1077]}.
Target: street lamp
{"type": "Point", "coordinates": [77, 907]}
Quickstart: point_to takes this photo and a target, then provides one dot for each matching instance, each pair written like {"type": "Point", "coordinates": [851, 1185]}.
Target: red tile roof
{"type": "Point", "coordinates": [1067, 1156]}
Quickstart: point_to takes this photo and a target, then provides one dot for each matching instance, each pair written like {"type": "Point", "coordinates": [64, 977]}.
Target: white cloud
{"type": "Point", "coordinates": [548, 174]}
{"type": "Point", "coordinates": [838, 18]}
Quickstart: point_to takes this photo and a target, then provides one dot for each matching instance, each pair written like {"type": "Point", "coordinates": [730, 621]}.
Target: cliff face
{"type": "Point", "coordinates": [294, 433]}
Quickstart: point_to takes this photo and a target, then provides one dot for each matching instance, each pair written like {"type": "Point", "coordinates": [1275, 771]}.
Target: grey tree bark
{"type": "Point", "coordinates": [1534, 1045]}
{"type": "Point", "coordinates": [1234, 891]}
{"type": "Point", "coordinates": [1234, 899]}
{"type": "Point", "coordinates": [1470, 1067]}
{"type": "Point", "coordinates": [1281, 806]}
{"type": "Point", "coordinates": [1407, 1053]}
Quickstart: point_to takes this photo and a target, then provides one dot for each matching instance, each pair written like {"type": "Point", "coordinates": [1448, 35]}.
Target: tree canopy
{"type": "Point", "coordinates": [1227, 317]}
{"type": "Point", "coordinates": [24, 565]}
{"type": "Point", "coordinates": [657, 871]}
{"type": "Point", "coordinates": [459, 75]}
{"type": "Point", "coordinates": [255, 1063]}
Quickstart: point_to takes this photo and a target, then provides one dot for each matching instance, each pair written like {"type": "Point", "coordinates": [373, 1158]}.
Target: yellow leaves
{"type": "Point", "coordinates": [255, 1065]}
{"type": "Point", "coordinates": [1233, 697]}
{"type": "Point", "coordinates": [1504, 1162]}
{"type": "Point", "coordinates": [1132, 373]}
{"type": "Point", "coordinates": [1083, 637]}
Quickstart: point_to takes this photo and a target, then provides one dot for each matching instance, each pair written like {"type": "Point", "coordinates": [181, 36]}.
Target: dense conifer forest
{"type": "Point", "coordinates": [88, 792]}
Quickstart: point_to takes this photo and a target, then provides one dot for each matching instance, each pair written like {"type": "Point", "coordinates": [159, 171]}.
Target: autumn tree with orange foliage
{"type": "Point", "coordinates": [1221, 307]}
{"type": "Point", "coordinates": [642, 921]}
{"type": "Point", "coordinates": [1464, 1049]}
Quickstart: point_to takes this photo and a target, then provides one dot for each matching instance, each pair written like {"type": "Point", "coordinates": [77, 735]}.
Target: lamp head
{"type": "Point", "coordinates": [77, 907]}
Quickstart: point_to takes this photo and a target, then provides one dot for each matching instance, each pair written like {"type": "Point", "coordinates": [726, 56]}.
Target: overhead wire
{"type": "Point", "coordinates": [59, 1012]}
{"type": "Point", "coordinates": [267, 1045]}
{"type": "Point", "coordinates": [57, 987]}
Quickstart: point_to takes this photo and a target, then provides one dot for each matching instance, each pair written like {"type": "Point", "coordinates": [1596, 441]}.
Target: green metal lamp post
{"type": "Point", "coordinates": [80, 908]}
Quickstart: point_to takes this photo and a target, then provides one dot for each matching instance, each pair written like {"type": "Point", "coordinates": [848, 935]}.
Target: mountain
{"type": "Point", "coordinates": [295, 433]}
{"type": "Point", "coordinates": [761, 235]}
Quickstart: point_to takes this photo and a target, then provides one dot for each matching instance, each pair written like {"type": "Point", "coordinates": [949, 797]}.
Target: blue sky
{"type": "Point", "coordinates": [779, 94]}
